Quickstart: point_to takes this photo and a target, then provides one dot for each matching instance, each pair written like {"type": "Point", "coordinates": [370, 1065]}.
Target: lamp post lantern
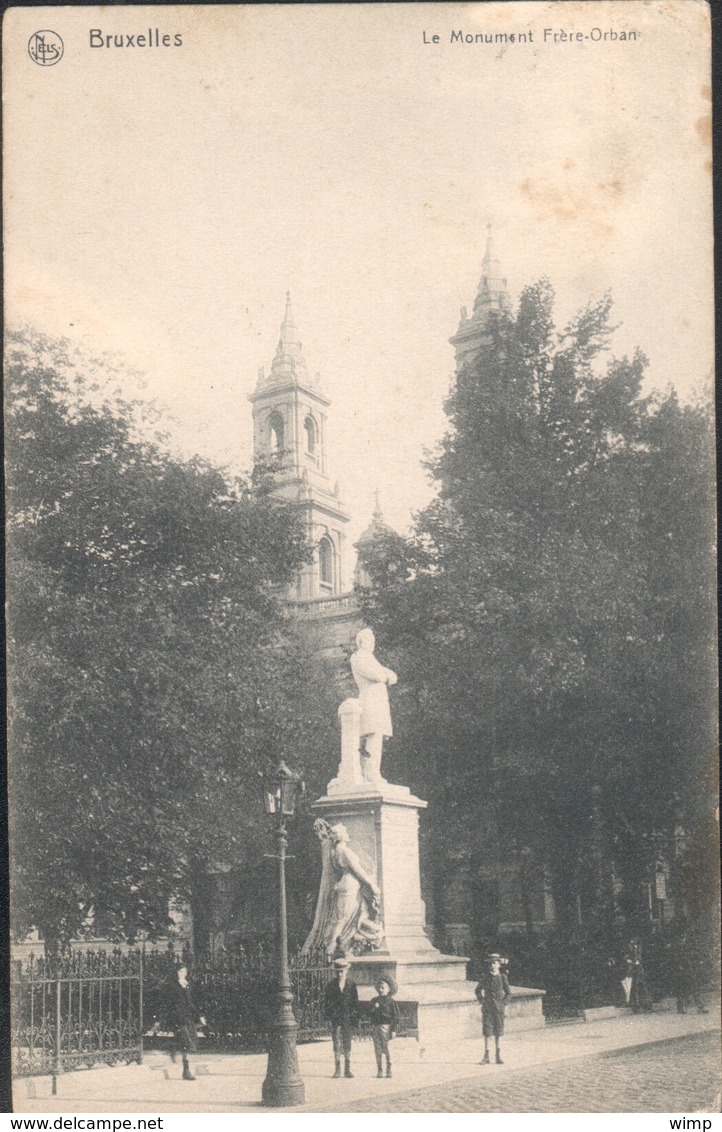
{"type": "Point", "coordinates": [283, 1085]}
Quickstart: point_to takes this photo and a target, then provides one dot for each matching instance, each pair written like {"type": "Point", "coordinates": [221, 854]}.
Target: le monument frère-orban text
{"type": "Point", "coordinates": [548, 36]}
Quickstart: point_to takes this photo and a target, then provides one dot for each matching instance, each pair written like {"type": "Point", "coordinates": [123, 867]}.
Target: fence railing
{"type": "Point", "coordinates": [104, 1007]}
{"type": "Point", "coordinates": [76, 1011]}
{"type": "Point", "coordinates": [235, 992]}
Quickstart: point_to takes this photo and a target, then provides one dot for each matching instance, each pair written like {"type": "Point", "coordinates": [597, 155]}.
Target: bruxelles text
{"type": "Point", "coordinates": [150, 38]}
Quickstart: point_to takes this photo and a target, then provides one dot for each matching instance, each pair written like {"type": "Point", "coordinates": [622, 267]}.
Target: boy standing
{"type": "Point", "coordinates": [493, 992]}
{"type": "Point", "coordinates": [341, 1007]}
{"type": "Point", "coordinates": [384, 1022]}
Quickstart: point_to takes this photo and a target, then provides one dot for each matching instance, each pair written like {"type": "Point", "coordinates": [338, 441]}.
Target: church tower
{"type": "Point", "coordinates": [491, 295]}
{"type": "Point", "coordinates": [377, 529]}
{"type": "Point", "coordinates": [290, 414]}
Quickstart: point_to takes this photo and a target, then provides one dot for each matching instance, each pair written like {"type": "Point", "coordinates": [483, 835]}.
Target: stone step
{"type": "Point", "coordinates": [521, 997]}
{"type": "Point", "coordinates": [449, 1010]}
{"type": "Point", "coordinates": [448, 1021]}
{"type": "Point", "coordinates": [406, 951]}
{"type": "Point", "coordinates": [410, 968]}
{"type": "Point", "coordinates": [453, 1012]}
{"type": "Point", "coordinates": [410, 972]}
{"type": "Point", "coordinates": [439, 993]}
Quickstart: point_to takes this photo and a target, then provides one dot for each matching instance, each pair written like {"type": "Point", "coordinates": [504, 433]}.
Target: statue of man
{"type": "Point", "coordinates": [372, 680]}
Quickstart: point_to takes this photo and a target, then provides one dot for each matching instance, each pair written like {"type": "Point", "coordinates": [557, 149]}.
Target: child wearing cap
{"type": "Point", "coordinates": [493, 992]}
{"type": "Point", "coordinates": [384, 1022]}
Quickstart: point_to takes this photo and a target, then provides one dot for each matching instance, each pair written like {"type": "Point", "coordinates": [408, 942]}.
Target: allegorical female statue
{"type": "Point", "coordinates": [347, 910]}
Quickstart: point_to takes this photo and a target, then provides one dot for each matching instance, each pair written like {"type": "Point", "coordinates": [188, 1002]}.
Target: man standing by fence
{"type": "Point", "coordinates": [342, 1011]}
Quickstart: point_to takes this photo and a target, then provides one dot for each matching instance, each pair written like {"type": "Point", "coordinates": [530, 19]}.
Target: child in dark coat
{"type": "Point", "coordinates": [183, 1016]}
{"type": "Point", "coordinates": [384, 1022]}
{"type": "Point", "coordinates": [493, 992]}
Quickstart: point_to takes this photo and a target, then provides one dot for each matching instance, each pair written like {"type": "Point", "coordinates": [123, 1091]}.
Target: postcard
{"type": "Point", "coordinates": [361, 591]}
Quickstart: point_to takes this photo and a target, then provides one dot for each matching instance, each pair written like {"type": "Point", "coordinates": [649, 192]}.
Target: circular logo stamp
{"type": "Point", "coordinates": [45, 48]}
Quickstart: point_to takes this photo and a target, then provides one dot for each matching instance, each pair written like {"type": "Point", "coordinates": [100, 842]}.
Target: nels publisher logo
{"type": "Point", "coordinates": [45, 48]}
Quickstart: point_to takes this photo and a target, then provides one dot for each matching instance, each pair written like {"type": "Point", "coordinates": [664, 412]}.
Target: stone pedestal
{"type": "Point", "coordinates": [382, 821]}
{"type": "Point", "coordinates": [383, 825]}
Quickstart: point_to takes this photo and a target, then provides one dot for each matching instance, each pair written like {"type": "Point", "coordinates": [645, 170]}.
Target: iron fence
{"type": "Point", "coordinates": [235, 990]}
{"type": "Point", "coordinates": [76, 1011]}
{"type": "Point", "coordinates": [310, 975]}
{"type": "Point", "coordinates": [99, 1007]}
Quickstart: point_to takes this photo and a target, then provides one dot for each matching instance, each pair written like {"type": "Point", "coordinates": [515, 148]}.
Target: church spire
{"type": "Point", "coordinates": [377, 529]}
{"type": "Point", "coordinates": [491, 295]}
{"type": "Point", "coordinates": [288, 360]}
{"type": "Point", "coordinates": [490, 259]}
{"type": "Point", "coordinates": [377, 526]}
{"type": "Point", "coordinates": [492, 290]}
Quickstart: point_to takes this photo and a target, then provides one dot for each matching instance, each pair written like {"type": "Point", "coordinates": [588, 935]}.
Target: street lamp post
{"type": "Point", "coordinates": [283, 1085]}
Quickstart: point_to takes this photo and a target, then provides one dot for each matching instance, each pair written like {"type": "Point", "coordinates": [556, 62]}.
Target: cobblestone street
{"type": "Point", "coordinates": [680, 1075]}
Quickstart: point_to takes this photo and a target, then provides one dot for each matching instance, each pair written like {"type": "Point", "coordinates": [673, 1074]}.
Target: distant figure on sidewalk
{"type": "Point", "coordinates": [493, 992]}
{"type": "Point", "coordinates": [384, 1022]}
{"type": "Point", "coordinates": [182, 1017]}
{"type": "Point", "coordinates": [639, 996]}
{"type": "Point", "coordinates": [686, 985]}
{"type": "Point", "coordinates": [617, 977]}
{"type": "Point", "coordinates": [625, 980]}
{"type": "Point", "coordinates": [342, 1012]}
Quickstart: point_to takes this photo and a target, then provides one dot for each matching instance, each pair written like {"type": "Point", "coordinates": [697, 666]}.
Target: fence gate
{"type": "Point", "coordinates": [310, 975]}
{"type": "Point", "coordinates": [80, 1010]}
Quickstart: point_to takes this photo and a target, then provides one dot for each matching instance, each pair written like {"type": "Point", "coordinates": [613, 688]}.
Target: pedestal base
{"type": "Point", "coordinates": [446, 1005]}
{"type": "Point", "coordinates": [383, 823]}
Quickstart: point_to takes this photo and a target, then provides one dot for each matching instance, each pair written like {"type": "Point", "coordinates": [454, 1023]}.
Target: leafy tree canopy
{"type": "Point", "coordinates": [552, 616]}
{"type": "Point", "coordinates": [153, 673]}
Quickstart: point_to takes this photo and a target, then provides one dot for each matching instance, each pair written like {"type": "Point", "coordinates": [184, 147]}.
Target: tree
{"type": "Point", "coordinates": [542, 614]}
{"type": "Point", "coordinates": [153, 672]}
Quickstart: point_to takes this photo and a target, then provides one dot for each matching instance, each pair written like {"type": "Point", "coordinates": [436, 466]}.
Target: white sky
{"type": "Point", "coordinates": [160, 201]}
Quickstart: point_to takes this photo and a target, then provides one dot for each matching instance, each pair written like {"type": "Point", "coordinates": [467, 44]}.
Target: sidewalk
{"type": "Point", "coordinates": [232, 1082]}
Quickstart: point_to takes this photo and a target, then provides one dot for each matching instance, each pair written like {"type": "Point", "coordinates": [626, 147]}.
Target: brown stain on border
{"type": "Point", "coordinates": [703, 126]}
{"type": "Point", "coordinates": [592, 204]}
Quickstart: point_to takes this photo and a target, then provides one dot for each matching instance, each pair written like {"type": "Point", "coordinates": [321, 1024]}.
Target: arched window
{"type": "Point", "coordinates": [325, 562]}
{"type": "Point", "coordinates": [310, 426]}
{"type": "Point", "coordinates": [275, 429]}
